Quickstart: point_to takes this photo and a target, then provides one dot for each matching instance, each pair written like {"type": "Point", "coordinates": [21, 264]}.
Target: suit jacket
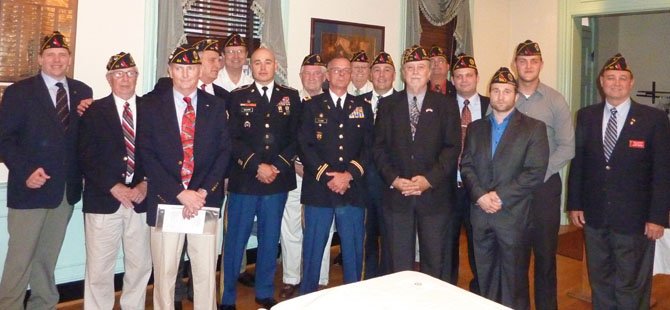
{"type": "Point", "coordinates": [165, 83]}
{"type": "Point", "coordinates": [263, 133]}
{"type": "Point", "coordinates": [333, 140]}
{"type": "Point", "coordinates": [634, 186]}
{"type": "Point", "coordinates": [433, 153]}
{"type": "Point", "coordinates": [162, 151]}
{"type": "Point", "coordinates": [515, 170]}
{"type": "Point", "coordinates": [484, 101]}
{"type": "Point", "coordinates": [31, 136]}
{"type": "Point", "coordinates": [103, 156]}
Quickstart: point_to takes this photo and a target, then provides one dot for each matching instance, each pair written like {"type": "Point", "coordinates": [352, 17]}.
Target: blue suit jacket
{"type": "Point", "coordinates": [162, 151]}
{"type": "Point", "coordinates": [31, 136]}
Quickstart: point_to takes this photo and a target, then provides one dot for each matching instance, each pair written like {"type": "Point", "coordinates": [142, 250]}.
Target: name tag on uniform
{"type": "Point", "coordinates": [636, 144]}
{"type": "Point", "coordinates": [246, 110]}
{"type": "Point", "coordinates": [320, 120]}
{"type": "Point", "coordinates": [247, 107]}
{"type": "Point", "coordinates": [357, 113]}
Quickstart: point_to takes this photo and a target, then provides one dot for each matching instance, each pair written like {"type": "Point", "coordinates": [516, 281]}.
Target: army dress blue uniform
{"type": "Point", "coordinates": [262, 132]}
{"type": "Point", "coordinates": [334, 140]}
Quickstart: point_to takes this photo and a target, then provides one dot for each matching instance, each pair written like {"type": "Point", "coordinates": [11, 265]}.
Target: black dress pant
{"type": "Point", "coordinates": [460, 219]}
{"type": "Point", "coordinates": [620, 268]}
{"type": "Point", "coordinates": [545, 213]}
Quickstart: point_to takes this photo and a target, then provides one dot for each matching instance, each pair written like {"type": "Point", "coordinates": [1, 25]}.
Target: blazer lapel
{"type": "Point", "coordinates": [402, 117]}
{"type": "Point", "coordinates": [44, 98]}
{"type": "Point", "coordinates": [169, 116]}
{"type": "Point", "coordinates": [111, 117]}
{"type": "Point", "coordinates": [202, 120]}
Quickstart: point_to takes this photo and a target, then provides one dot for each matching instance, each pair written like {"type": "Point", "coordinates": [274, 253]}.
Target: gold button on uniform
{"type": "Point", "coordinates": [267, 125]}
{"type": "Point", "coordinates": [341, 125]}
{"type": "Point", "coordinates": [341, 159]}
{"type": "Point", "coordinates": [125, 158]}
{"type": "Point", "coordinates": [267, 147]}
{"type": "Point", "coordinates": [341, 148]}
{"type": "Point", "coordinates": [341, 136]}
{"type": "Point", "coordinates": [179, 163]}
{"type": "Point", "coordinates": [607, 168]}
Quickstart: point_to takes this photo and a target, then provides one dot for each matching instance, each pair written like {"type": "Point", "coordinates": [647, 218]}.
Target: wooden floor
{"type": "Point", "coordinates": [569, 279]}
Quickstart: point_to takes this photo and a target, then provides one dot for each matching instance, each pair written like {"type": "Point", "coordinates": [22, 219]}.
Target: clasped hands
{"type": "Point", "coordinates": [266, 173]}
{"type": "Point", "coordinates": [192, 201]}
{"type": "Point", "coordinates": [340, 181]}
{"type": "Point", "coordinates": [490, 202]}
{"type": "Point", "coordinates": [411, 187]}
{"type": "Point", "coordinates": [127, 195]}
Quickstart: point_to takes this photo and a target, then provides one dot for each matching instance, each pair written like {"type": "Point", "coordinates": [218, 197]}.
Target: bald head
{"type": "Point", "coordinates": [263, 65]}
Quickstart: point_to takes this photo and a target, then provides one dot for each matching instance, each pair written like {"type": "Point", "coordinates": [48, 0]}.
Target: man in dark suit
{"type": "Point", "coordinates": [185, 147]}
{"type": "Point", "coordinates": [439, 72]}
{"type": "Point", "coordinates": [472, 106]}
{"type": "Point", "coordinates": [504, 160]}
{"type": "Point", "coordinates": [619, 188]}
{"type": "Point", "coordinates": [114, 192]}
{"type": "Point", "coordinates": [417, 142]}
{"type": "Point", "coordinates": [38, 143]}
{"type": "Point", "coordinates": [376, 262]}
{"type": "Point", "coordinates": [335, 135]}
{"type": "Point", "coordinates": [264, 123]}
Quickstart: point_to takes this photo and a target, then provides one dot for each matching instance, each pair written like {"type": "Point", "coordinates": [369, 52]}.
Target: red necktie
{"type": "Point", "coordinates": [129, 137]}
{"type": "Point", "coordinates": [187, 135]}
{"type": "Point", "coordinates": [203, 87]}
{"type": "Point", "coordinates": [466, 119]}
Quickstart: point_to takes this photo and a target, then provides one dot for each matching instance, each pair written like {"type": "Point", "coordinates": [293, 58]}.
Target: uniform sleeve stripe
{"type": "Point", "coordinates": [247, 161]}
{"type": "Point", "coordinates": [286, 161]}
{"type": "Point", "coordinates": [320, 172]}
{"type": "Point", "coordinates": [360, 168]}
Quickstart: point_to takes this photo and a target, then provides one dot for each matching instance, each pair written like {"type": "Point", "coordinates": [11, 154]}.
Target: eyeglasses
{"type": "Point", "coordinates": [235, 52]}
{"type": "Point", "coordinates": [340, 70]}
{"type": "Point", "coordinates": [120, 74]}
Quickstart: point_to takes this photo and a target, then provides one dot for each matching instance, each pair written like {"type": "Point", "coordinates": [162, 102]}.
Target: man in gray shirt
{"type": "Point", "coordinates": [544, 103]}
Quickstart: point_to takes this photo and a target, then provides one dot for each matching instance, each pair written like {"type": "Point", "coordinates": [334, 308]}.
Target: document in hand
{"type": "Point", "coordinates": [170, 219]}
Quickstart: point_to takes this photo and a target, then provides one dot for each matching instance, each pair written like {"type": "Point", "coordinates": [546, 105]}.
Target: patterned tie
{"type": "Point", "coordinates": [339, 104]}
{"type": "Point", "coordinates": [129, 137]}
{"type": "Point", "coordinates": [466, 119]}
{"type": "Point", "coordinates": [187, 135]}
{"type": "Point", "coordinates": [610, 135]}
{"type": "Point", "coordinates": [413, 115]}
{"type": "Point", "coordinates": [265, 94]}
{"type": "Point", "coordinates": [61, 106]}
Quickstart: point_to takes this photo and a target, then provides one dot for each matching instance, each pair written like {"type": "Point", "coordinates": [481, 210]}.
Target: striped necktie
{"type": "Point", "coordinates": [129, 136]}
{"type": "Point", "coordinates": [187, 137]}
{"type": "Point", "coordinates": [61, 106]}
{"type": "Point", "coordinates": [610, 134]}
{"type": "Point", "coordinates": [466, 119]}
{"type": "Point", "coordinates": [414, 115]}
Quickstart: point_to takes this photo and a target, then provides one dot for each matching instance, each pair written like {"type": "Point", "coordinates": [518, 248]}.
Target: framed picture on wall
{"type": "Point", "coordinates": [332, 38]}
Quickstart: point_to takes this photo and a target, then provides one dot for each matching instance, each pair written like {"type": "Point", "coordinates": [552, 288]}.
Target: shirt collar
{"type": "Point", "coordinates": [388, 93]}
{"type": "Point", "coordinates": [621, 109]}
{"type": "Point", "coordinates": [51, 82]}
{"type": "Point", "coordinates": [270, 86]}
{"type": "Point", "coordinates": [334, 97]}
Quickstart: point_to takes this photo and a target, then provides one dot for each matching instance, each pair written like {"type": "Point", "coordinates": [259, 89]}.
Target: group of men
{"type": "Point", "coordinates": [384, 168]}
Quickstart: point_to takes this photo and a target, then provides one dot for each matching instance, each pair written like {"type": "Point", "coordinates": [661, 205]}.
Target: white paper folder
{"type": "Point", "coordinates": [170, 219]}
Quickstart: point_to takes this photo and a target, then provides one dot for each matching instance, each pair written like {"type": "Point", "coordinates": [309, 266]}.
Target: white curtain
{"type": "Point", "coordinates": [170, 31]}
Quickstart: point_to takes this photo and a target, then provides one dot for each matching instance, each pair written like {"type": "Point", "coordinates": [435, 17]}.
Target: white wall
{"type": "Point", "coordinates": [498, 26]}
{"type": "Point", "coordinates": [387, 13]}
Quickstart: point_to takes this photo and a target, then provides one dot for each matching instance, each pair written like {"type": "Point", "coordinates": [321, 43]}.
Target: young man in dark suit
{"type": "Point", "coordinates": [335, 136]}
{"type": "Point", "coordinates": [472, 107]}
{"type": "Point", "coordinates": [264, 123]}
{"type": "Point", "coordinates": [417, 142]}
{"type": "Point", "coordinates": [504, 160]}
{"type": "Point", "coordinates": [619, 188]}
{"type": "Point", "coordinates": [114, 192]}
{"type": "Point", "coordinates": [185, 147]}
{"type": "Point", "coordinates": [38, 143]}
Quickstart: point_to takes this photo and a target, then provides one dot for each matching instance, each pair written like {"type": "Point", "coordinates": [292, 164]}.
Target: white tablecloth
{"type": "Point", "coordinates": [662, 254]}
{"type": "Point", "coordinates": [401, 290]}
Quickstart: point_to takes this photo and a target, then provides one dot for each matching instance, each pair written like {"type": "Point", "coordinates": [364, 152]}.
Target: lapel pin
{"type": "Point", "coordinates": [429, 110]}
{"type": "Point", "coordinates": [632, 121]}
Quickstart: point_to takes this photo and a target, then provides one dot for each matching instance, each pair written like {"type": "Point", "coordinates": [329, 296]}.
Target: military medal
{"type": "Point", "coordinates": [247, 124]}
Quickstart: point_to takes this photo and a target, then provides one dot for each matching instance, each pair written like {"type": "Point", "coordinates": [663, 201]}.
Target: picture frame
{"type": "Point", "coordinates": [331, 38]}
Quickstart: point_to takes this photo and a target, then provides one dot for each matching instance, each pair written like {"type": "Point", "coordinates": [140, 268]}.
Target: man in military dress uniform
{"type": "Point", "coordinates": [264, 123]}
{"type": "Point", "coordinates": [335, 136]}
{"type": "Point", "coordinates": [312, 75]}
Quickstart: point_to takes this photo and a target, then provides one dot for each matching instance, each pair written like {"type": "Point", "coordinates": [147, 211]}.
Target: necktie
{"type": "Point", "coordinates": [129, 137]}
{"type": "Point", "coordinates": [187, 135]}
{"type": "Point", "coordinates": [61, 106]}
{"type": "Point", "coordinates": [265, 94]}
{"type": "Point", "coordinates": [413, 115]}
{"type": "Point", "coordinates": [466, 118]}
{"type": "Point", "coordinates": [203, 87]}
{"type": "Point", "coordinates": [610, 134]}
{"type": "Point", "coordinates": [438, 88]}
{"type": "Point", "coordinates": [379, 97]}
{"type": "Point", "coordinates": [339, 103]}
